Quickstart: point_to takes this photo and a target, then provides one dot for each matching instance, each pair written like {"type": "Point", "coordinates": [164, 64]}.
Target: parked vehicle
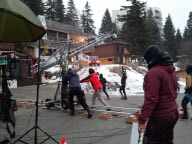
{"type": "Point", "coordinates": [94, 61]}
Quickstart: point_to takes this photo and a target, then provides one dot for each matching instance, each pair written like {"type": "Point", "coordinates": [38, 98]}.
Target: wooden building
{"type": "Point", "coordinates": [112, 53]}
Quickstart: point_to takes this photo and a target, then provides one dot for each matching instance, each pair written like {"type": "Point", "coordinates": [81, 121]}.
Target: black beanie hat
{"type": "Point", "coordinates": [189, 69]}
{"type": "Point", "coordinates": [91, 71]}
{"type": "Point", "coordinates": [153, 55]}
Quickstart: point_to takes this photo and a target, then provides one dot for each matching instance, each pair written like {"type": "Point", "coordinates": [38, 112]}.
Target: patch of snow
{"type": "Point", "coordinates": [134, 82]}
{"type": "Point", "coordinates": [53, 69]}
{"type": "Point", "coordinates": [176, 66]}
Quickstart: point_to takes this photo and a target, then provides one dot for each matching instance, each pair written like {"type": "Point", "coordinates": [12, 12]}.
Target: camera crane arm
{"type": "Point", "coordinates": [67, 53]}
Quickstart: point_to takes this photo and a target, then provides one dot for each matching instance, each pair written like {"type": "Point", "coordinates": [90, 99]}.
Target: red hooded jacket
{"type": "Point", "coordinates": [160, 86]}
{"type": "Point", "coordinates": [93, 78]}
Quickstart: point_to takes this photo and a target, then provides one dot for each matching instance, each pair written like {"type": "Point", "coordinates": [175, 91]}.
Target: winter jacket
{"type": "Point", "coordinates": [188, 86]}
{"type": "Point", "coordinates": [73, 78]}
{"type": "Point", "coordinates": [103, 81]}
{"type": "Point", "coordinates": [160, 86]}
{"type": "Point", "coordinates": [93, 78]}
{"type": "Point", "coordinates": [123, 79]}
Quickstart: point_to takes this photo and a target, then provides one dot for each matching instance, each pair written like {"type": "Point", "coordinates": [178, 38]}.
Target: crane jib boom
{"type": "Point", "coordinates": [63, 51]}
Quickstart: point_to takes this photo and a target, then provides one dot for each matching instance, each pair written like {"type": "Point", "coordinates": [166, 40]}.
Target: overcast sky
{"type": "Point", "coordinates": [179, 9]}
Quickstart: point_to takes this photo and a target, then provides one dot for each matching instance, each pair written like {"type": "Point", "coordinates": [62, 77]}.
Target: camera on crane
{"type": "Point", "coordinates": [114, 36]}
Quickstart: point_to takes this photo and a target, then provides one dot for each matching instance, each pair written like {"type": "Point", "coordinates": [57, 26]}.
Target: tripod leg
{"type": "Point", "coordinates": [19, 139]}
{"type": "Point", "coordinates": [47, 135]}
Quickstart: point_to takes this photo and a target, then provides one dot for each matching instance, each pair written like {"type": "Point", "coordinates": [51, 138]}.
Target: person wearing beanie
{"type": "Point", "coordinates": [75, 90]}
{"type": "Point", "coordinates": [97, 86]}
{"type": "Point", "coordinates": [123, 84]}
{"type": "Point", "coordinates": [159, 112]}
{"type": "Point", "coordinates": [188, 92]}
{"type": "Point", "coordinates": [103, 82]}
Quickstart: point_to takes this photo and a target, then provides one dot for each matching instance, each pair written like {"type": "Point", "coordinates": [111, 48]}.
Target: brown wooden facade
{"type": "Point", "coordinates": [181, 73]}
{"type": "Point", "coordinates": [116, 51]}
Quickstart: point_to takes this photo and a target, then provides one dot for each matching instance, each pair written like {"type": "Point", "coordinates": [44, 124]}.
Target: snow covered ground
{"type": "Point", "coordinates": [134, 83]}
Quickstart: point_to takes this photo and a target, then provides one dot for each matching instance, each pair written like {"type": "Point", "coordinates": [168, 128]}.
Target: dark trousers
{"type": "Point", "coordinates": [76, 91]}
{"type": "Point", "coordinates": [122, 88]}
{"type": "Point", "coordinates": [104, 90]}
{"type": "Point", "coordinates": [160, 130]}
{"type": "Point", "coordinates": [184, 103]}
{"type": "Point", "coordinates": [83, 96]}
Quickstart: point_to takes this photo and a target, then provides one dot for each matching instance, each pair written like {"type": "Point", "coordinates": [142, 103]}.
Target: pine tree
{"type": "Point", "coordinates": [185, 33]}
{"type": "Point", "coordinates": [106, 25]}
{"type": "Point", "coordinates": [83, 20]}
{"type": "Point", "coordinates": [37, 6]}
{"type": "Point", "coordinates": [169, 37]}
{"type": "Point", "coordinates": [134, 29]}
{"type": "Point", "coordinates": [71, 16]}
{"type": "Point", "coordinates": [188, 29]}
{"type": "Point", "coordinates": [154, 36]}
{"type": "Point", "coordinates": [115, 27]}
{"type": "Point", "coordinates": [86, 20]}
{"type": "Point", "coordinates": [178, 41]}
{"type": "Point", "coordinates": [60, 11]}
{"type": "Point", "coordinates": [50, 12]}
{"type": "Point", "coordinates": [26, 2]}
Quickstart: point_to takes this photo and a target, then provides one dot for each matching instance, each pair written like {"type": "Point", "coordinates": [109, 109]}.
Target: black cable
{"type": "Point", "coordinates": [103, 136]}
{"type": "Point", "coordinates": [108, 136]}
{"type": "Point", "coordinates": [87, 131]}
{"type": "Point", "coordinates": [92, 131]}
{"type": "Point", "coordinates": [2, 127]}
{"type": "Point", "coordinates": [28, 124]}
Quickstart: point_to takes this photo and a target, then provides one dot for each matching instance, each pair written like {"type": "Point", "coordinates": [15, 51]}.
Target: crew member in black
{"type": "Point", "coordinates": [103, 82]}
{"type": "Point", "coordinates": [123, 85]}
{"type": "Point", "coordinates": [74, 85]}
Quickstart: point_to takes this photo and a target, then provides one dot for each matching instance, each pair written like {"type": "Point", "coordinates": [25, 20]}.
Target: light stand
{"type": "Point", "coordinates": [36, 105]}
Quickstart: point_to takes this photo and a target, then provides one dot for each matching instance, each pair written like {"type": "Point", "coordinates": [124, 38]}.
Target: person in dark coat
{"type": "Point", "coordinates": [74, 85]}
{"type": "Point", "coordinates": [159, 112]}
{"type": "Point", "coordinates": [188, 92]}
{"type": "Point", "coordinates": [123, 85]}
{"type": "Point", "coordinates": [97, 86]}
{"type": "Point", "coordinates": [103, 82]}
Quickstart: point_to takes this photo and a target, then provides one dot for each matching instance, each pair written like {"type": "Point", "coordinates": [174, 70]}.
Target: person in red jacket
{"type": "Point", "coordinates": [159, 112]}
{"type": "Point", "coordinates": [97, 86]}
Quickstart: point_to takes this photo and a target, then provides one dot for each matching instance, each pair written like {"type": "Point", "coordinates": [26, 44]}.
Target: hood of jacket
{"type": "Point", "coordinates": [167, 68]}
{"type": "Point", "coordinates": [71, 72]}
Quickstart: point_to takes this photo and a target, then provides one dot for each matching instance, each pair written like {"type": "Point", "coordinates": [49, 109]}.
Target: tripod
{"type": "Point", "coordinates": [36, 115]}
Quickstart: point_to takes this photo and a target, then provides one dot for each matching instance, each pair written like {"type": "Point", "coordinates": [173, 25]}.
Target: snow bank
{"type": "Point", "coordinates": [134, 83]}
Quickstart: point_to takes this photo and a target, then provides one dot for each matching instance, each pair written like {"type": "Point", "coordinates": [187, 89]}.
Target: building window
{"type": "Point", "coordinates": [117, 48]}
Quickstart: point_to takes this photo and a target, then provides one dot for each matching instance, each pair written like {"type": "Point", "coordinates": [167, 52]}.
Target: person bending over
{"type": "Point", "coordinates": [97, 86]}
{"type": "Point", "coordinates": [74, 89]}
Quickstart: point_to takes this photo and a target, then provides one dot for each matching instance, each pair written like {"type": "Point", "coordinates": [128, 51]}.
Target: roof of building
{"type": "Point", "coordinates": [57, 26]}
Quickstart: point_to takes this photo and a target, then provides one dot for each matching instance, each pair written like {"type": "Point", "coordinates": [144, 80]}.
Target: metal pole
{"type": "Point", "coordinates": [37, 97]}
{"type": "Point", "coordinates": [64, 65]}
